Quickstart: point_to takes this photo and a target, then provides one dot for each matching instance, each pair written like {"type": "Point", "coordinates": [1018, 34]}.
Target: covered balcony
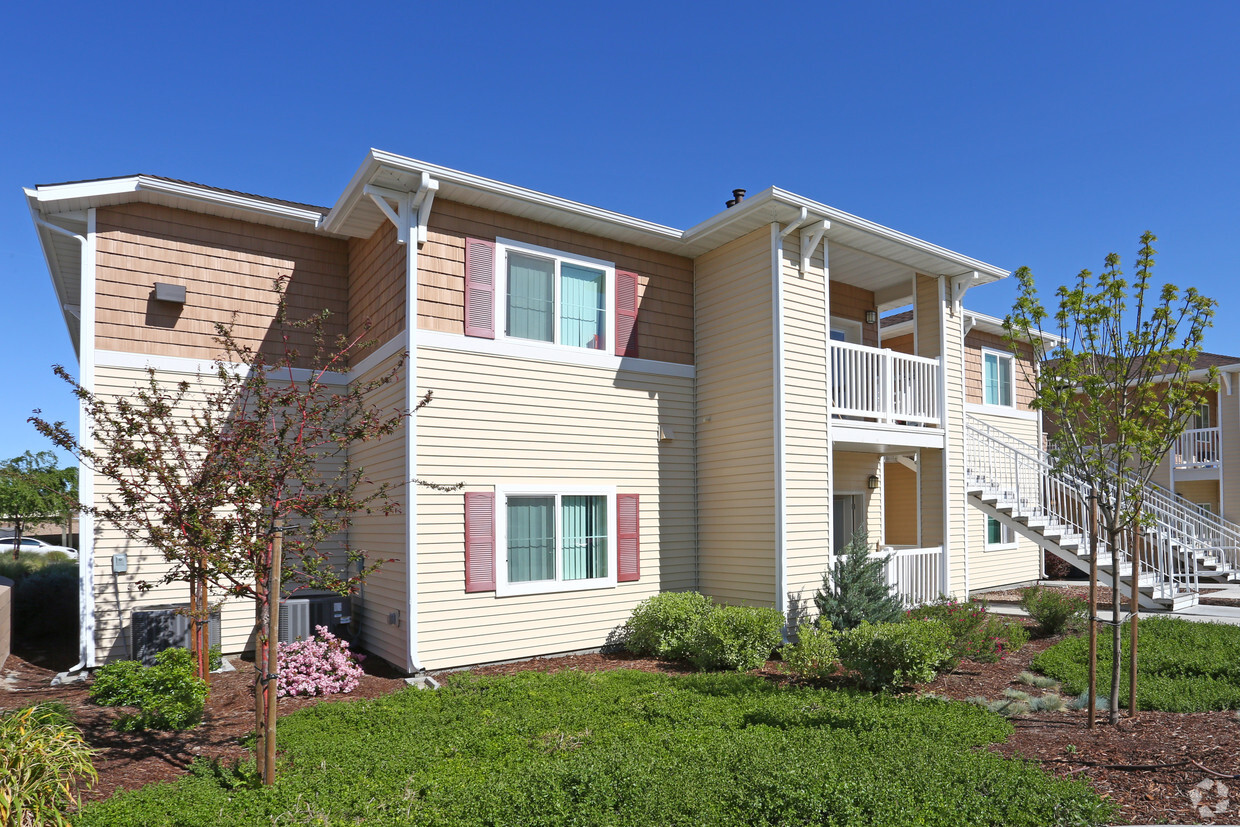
{"type": "Point", "coordinates": [1198, 454]}
{"type": "Point", "coordinates": [881, 396]}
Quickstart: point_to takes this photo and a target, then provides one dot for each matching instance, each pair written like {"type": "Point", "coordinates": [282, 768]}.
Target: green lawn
{"type": "Point", "coordinates": [1182, 666]}
{"type": "Point", "coordinates": [628, 747]}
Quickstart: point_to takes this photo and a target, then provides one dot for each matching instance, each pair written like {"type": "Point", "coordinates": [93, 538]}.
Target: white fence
{"type": "Point", "coordinates": [884, 385]}
{"type": "Point", "coordinates": [1199, 448]}
{"type": "Point", "coordinates": [915, 574]}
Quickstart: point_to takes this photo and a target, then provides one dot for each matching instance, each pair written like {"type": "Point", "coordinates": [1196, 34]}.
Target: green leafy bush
{"type": "Point", "coordinates": [889, 655]}
{"type": "Point", "coordinates": [736, 637]}
{"type": "Point", "coordinates": [977, 635]}
{"type": "Point", "coordinates": [168, 695]}
{"type": "Point", "coordinates": [664, 626]}
{"type": "Point", "coordinates": [42, 756]}
{"type": "Point", "coordinates": [1055, 611]}
{"type": "Point", "coordinates": [855, 589]}
{"type": "Point", "coordinates": [1182, 666]}
{"type": "Point", "coordinates": [813, 657]}
{"type": "Point", "coordinates": [627, 747]}
{"type": "Point", "coordinates": [45, 603]}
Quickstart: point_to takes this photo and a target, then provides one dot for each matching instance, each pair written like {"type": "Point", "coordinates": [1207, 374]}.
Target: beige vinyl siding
{"type": "Point", "coordinates": [499, 420]}
{"type": "Point", "coordinates": [807, 503]}
{"type": "Point", "coordinates": [899, 505]}
{"type": "Point", "coordinates": [736, 416]}
{"type": "Point", "coordinates": [117, 595]}
{"type": "Point", "coordinates": [665, 281]}
{"type": "Point", "coordinates": [1229, 423]}
{"type": "Point", "coordinates": [227, 267]}
{"type": "Point", "coordinates": [1002, 566]}
{"type": "Point", "coordinates": [927, 315]}
{"type": "Point", "coordinates": [380, 536]}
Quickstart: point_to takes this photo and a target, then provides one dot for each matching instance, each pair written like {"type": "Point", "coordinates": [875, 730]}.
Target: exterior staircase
{"type": "Point", "coordinates": [1013, 482]}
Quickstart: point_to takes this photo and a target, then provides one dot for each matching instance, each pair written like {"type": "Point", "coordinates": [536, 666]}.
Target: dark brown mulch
{"type": "Point", "coordinates": [1146, 766]}
{"type": "Point", "coordinates": [128, 760]}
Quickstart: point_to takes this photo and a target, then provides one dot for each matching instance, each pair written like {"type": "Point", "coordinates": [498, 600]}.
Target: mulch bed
{"type": "Point", "coordinates": [1148, 766]}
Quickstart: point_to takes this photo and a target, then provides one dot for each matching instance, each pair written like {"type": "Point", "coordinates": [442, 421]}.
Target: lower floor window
{"type": "Point", "coordinates": [557, 540]}
{"type": "Point", "coordinates": [998, 534]}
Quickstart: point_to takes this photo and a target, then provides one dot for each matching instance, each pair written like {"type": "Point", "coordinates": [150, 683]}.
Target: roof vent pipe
{"type": "Point", "coordinates": [737, 197]}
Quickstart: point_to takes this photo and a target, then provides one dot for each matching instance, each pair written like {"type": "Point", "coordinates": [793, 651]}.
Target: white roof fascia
{"type": "Point", "coordinates": [444, 175]}
{"type": "Point", "coordinates": [53, 270]}
{"type": "Point", "coordinates": [993, 324]}
{"type": "Point", "coordinates": [52, 193]}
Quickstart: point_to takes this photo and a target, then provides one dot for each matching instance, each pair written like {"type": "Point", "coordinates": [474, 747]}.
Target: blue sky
{"type": "Point", "coordinates": [1030, 134]}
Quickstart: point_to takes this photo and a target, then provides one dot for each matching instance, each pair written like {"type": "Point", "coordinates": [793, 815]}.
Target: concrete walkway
{"type": "Point", "coordinates": [1205, 614]}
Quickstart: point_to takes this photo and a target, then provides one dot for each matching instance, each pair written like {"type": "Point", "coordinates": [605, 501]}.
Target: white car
{"type": "Point", "coordinates": [33, 546]}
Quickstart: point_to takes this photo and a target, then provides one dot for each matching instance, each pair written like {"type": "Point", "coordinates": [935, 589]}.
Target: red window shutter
{"type": "Point", "coordinates": [626, 313]}
{"type": "Point", "coordinates": [628, 543]}
{"type": "Point", "coordinates": [480, 288]}
{"type": "Point", "coordinates": [479, 541]}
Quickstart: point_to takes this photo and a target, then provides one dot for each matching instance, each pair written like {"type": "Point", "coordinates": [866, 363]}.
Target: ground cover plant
{"type": "Point", "coordinates": [627, 747]}
{"type": "Point", "coordinates": [1182, 666]}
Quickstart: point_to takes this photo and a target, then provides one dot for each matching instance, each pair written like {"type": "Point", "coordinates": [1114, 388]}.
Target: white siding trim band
{"type": "Point", "coordinates": [552, 354]}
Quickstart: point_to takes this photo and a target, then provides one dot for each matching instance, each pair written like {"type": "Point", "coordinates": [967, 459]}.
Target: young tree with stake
{"type": "Point", "coordinates": [1117, 393]}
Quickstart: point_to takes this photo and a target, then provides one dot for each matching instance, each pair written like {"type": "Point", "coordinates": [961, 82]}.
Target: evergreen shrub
{"type": "Point", "coordinates": [813, 656]}
{"type": "Point", "coordinates": [736, 637]}
{"type": "Point", "coordinates": [855, 589]}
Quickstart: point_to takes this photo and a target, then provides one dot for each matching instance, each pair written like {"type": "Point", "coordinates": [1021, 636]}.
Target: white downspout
{"type": "Point", "coordinates": [944, 309]}
{"type": "Point", "coordinates": [411, 427]}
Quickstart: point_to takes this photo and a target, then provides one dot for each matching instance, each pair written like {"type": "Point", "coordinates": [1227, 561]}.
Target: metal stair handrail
{"type": "Point", "coordinates": [1191, 525]}
{"type": "Point", "coordinates": [1036, 490]}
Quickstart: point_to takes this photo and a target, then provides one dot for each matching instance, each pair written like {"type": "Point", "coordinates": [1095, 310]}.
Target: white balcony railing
{"type": "Point", "coordinates": [914, 573]}
{"type": "Point", "coordinates": [884, 386]}
{"type": "Point", "coordinates": [1198, 448]}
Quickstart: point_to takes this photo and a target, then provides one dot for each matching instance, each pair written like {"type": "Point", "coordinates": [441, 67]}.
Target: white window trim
{"type": "Point", "coordinates": [989, 546]}
{"type": "Point", "coordinates": [851, 328]}
{"type": "Point", "coordinates": [1011, 378]}
{"type": "Point", "coordinates": [503, 588]}
{"type": "Point", "coordinates": [505, 245]}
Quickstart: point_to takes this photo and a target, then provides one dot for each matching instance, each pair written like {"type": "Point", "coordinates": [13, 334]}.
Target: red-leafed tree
{"type": "Point", "coordinates": [241, 478]}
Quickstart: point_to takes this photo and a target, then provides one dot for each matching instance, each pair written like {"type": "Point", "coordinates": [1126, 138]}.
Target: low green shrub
{"type": "Point", "coordinates": [813, 657]}
{"type": "Point", "coordinates": [42, 758]}
{"type": "Point", "coordinates": [168, 695]}
{"type": "Point", "coordinates": [736, 637]}
{"type": "Point", "coordinates": [45, 603]}
{"type": "Point", "coordinates": [890, 655]}
{"type": "Point", "coordinates": [627, 747]}
{"type": "Point", "coordinates": [1182, 666]}
{"type": "Point", "coordinates": [855, 590]}
{"type": "Point", "coordinates": [977, 635]}
{"type": "Point", "coordinates": [664, 626]}
{"type": "Point", "coordinates": [1054, 610]}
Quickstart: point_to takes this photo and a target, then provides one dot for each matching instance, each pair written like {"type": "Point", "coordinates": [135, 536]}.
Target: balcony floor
{"type": "Point", "coordinates": [860, 435]}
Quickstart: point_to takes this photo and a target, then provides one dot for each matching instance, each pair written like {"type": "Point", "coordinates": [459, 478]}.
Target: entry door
{"type": "Point", "coordinates": [843, 520]}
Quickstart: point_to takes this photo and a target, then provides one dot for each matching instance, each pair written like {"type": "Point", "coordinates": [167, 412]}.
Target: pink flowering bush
{"type": "Point", "coordinates": [322, 665]}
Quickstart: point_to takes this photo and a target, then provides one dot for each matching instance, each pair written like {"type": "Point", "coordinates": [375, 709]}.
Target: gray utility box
{"type": "Point", "coordinates": [156, 628]}
{"type": "Point", "coordinates": [303, 611]}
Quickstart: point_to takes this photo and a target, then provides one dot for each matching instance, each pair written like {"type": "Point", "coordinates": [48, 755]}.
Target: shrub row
{"type": "Point", "coordinates": [689, 626]}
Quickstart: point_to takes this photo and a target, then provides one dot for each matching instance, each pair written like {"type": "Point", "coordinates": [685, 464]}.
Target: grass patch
{"type": "Point", "coordinates": [628, 747]}
{"type": "Point", "coordinates": [1182, 666]}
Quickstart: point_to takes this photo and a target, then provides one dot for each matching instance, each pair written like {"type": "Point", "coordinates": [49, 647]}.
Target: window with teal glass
{"type": "Point", "coordinates": [584, 545]}
{"type": "Point", "coordinates": [554, 299]}
{"type": "Point", "coordinates": [555, 540]}
{"type": "Point", "coordinates": [997, 534]}
{"type": "Point", "coordinates": [531, 539]}
{"type": "Point", "coordinates": [997, 379]}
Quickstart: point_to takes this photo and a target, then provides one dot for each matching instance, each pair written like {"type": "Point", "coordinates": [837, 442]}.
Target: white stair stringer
{"type": "Point", "coordinates": [1015, 484]}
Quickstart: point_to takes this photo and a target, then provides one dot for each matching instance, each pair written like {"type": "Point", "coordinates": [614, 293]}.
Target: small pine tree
{"type": "Point", "coordinates": [855, 589]}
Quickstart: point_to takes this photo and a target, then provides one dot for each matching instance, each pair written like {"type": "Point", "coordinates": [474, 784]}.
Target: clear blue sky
{"type": "Point", "coordinates": [1039, 134]}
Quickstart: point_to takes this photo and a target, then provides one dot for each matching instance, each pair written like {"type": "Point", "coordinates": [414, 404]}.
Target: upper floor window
{"type": "Point", "coordinates": [1202, 418]}
{"type": "Point", "coordinates": [997, 378]}
{"type": "Point", "coordinates": [555, 298]}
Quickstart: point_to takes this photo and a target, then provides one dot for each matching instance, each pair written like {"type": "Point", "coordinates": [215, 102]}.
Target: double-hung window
{"type": "Point", "coordinates": [998, 535]}
{"type": "Point", "coordinates": [554, 540]}
{"type": "Point", "coordinates": [554, 297]}
{"type": "Point", "coordinates": [997, 378]}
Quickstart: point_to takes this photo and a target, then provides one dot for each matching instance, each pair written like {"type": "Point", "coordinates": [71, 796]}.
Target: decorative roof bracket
{"type": "Point", "coordinates": [960, 285]}
{"type": "Point", "coordinates": [810, 236]}
{"type": "Point", "coordinates": [413, 209]}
